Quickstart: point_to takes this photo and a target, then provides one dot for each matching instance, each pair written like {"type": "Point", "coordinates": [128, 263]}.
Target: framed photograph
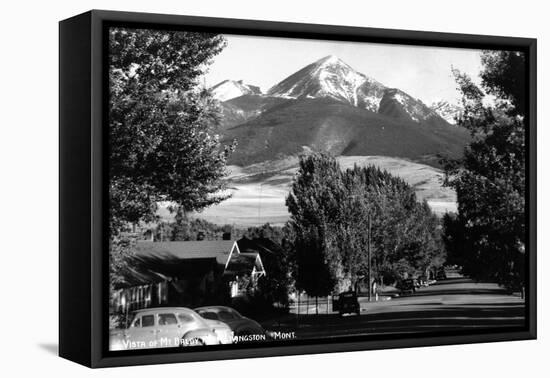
{"type": "Point", "coordinates": [234, 188]}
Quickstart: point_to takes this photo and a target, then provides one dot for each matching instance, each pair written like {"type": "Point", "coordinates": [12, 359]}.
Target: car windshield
{"type": "Point", "coordinates": [136, 322]}
{"type": "Point", "coordinates": [227, 315]}
{"type": "Point", "coordinates": [208, 315]}
{"type": "Point", "coordinates": [185, 318]}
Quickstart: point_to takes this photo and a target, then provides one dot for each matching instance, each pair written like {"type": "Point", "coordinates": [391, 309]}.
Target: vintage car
{"type": "Point", "coordinates": [424, 281]}
{"type": "Point", "coordinates": [441, 275]}
{"type": "Point", "coordinates": [348, 303]}
{"type": "Point", "coordinates": [240, 325]}
{"type": "Point", "coordinates": [169, 327]}
{"type": "Point", "coordinates": [408, 285]}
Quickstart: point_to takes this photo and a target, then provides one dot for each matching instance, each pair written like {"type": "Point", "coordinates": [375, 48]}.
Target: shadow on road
{"type": "Point", "coordinates": [423, 320]}
{"type": "Point", "coordinates": [449, 305]}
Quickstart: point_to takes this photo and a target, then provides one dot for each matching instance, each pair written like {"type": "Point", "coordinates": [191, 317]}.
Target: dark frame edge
{"type": "Point", "coordinates": [99, 258]}
{"type": "Point", "coordinates": [532, 187]}
{"type": "Point", "coordinates": [75, 275]}
{"type": "Point", "coordinates": [318, 31]}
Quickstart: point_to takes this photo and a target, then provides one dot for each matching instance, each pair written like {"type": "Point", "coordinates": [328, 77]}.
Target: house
{"type": "Point", "coordinates": [186, 273]}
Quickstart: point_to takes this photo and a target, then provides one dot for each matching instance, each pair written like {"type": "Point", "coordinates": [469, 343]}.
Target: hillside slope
{"type": "Point", "coordinates": [241, 109]}
{"type": "Point", "coordinates": [323, 124]}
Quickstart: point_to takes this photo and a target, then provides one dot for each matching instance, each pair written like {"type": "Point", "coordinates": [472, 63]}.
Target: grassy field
{"type": "Point", "coordinates": [259, 190]}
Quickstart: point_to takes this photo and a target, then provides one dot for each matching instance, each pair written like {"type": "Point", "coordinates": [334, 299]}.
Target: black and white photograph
{"type": "Point", "coordinates": [277, 189]}
{"type": "Point", "coordinates": [269, 190]}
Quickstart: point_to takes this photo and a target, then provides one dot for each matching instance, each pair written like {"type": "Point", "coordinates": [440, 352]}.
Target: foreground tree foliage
{"type": "Point", "coordinates": [487, 236]}
{"type": "Point", "coordinates": [329, 229]}
{"type": "Point", "coordinates": [313, 205]}
{"type": "Point", "coordinates": [274, 288]}
{"type": "Point", "coordinates": [161, 145]}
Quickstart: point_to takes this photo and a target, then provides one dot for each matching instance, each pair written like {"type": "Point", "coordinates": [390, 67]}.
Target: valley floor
{"type": "Point", "coordinates": [259, 190]}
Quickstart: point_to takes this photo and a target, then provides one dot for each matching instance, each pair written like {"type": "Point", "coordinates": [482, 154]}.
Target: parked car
{"type": "Point", "coordinates": [441, 275]}
{"type": "Point", "coordinates": [407, 286]}
{"type": "Point", "coordinates": [424, 281]}
{"type": "Point", "coordinates": [348, 303]}
{"type": "Point", "coordinates": [240, 325]}
{"type": "Point", "coordinates": [169, 327]}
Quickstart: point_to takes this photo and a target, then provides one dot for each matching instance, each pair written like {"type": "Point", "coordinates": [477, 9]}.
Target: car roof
{"type": "Point", "coordinates": [159, 309]}
{"type": "Point", "coordinates": [215, 308]}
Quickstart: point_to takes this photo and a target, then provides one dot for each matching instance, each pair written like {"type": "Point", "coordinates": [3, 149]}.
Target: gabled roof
{"type": "Point", "coordinates": [204, 249]}
{"type": "Point", "coordinates": [243, 263]}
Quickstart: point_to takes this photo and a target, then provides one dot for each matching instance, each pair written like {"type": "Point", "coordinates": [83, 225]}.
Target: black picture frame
{"type": "Point", "coordinates": [83, 261]}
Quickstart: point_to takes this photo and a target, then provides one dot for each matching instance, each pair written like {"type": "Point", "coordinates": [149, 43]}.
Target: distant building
{"type": "Point", "coordinates": [186, 273]}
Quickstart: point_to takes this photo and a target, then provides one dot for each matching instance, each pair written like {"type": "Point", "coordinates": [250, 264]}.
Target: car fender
{"type": "Point", "coordinates": [255, 323]}
{"type": "Point", "coordinates": [207, 336]}
{"type": "Point", "coordinates": [216, 324]}
{"type": "Point", "coordinates": [249, 325]}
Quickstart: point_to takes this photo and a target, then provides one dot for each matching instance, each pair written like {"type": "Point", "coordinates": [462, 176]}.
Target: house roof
{"type": "Point", "coordinates": [243, 263]}
{"type": "Point", "coordinates": [204, 249]}
{"type": "Point", "coordinates": [265, 246]}
{"type": "Point", "coordinates": [157, 261]}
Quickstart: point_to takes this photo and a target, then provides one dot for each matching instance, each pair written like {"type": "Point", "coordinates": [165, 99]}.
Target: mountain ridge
{"type": "Point", "coordinates": [325, 124]}
{"type": "Point", "coordinates": [447, 110]}
{"type": "Point", "coordinates": [331, 77]}
{"type": "Point", "coordinates": [328, 106]}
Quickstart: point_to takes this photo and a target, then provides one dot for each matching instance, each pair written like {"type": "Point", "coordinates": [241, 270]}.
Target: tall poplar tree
{"type": "Point", "coordinates": [487, 236]}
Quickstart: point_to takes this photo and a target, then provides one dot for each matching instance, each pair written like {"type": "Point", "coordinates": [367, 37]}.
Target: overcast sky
{"type": "Point", "coordinates": [422, 72]}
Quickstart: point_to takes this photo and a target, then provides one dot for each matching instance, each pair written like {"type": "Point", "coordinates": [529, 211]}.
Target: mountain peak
{"type": "Point", "coordinates": [332, 62]}
{"type": "Point", "coordinates": [228, 89]}
{"type": "Point", "coordinates": [331, 77]}
{"type": "Point", "coordinates": [330, 59]}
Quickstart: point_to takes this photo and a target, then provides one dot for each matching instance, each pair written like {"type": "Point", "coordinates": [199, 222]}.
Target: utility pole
{"type": "Point", "coordinates": [260, 205]}
{"type": "Point", "coordinates": [369, 255]}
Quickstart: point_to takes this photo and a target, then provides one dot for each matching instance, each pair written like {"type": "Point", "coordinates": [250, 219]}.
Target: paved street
{"type": "Point", "coordinates": [451, 304]}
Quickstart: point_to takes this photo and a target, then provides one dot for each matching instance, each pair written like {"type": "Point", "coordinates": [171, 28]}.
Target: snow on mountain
{"type": "Point", "coordinates": [446, 110]}
{"type": "Point", "coordinates": [228, 89]}
{"type": "Point", "coordinates": [331, 77]}
{"type": "Point", "coordinates": [399, 104]}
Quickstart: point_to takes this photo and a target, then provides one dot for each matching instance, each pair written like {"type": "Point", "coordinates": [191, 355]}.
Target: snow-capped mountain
{"type": "Point", "coordinates": [329, 106]}
{"type": "Point", "coordinates": [331, 77]}
{"type": "Point", "coordinates": [447, 110]}
{"type": "Point", "coordinates": [228, 89]}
